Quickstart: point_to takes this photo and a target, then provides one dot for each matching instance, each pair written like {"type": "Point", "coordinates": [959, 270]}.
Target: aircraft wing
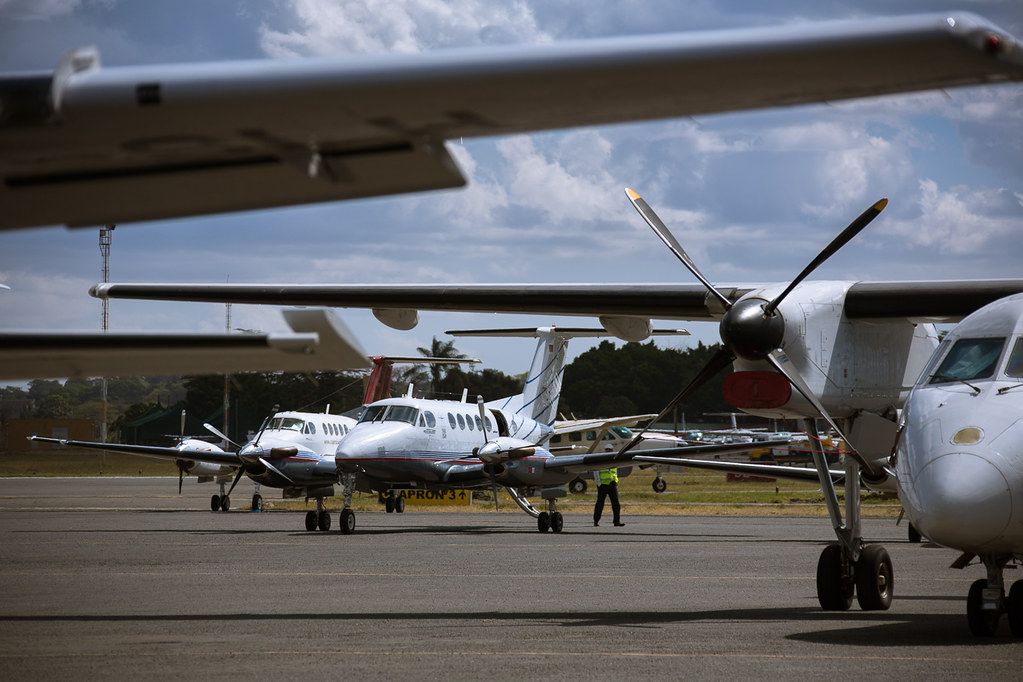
{"type": "Point", "coordinates": [319, 341]}
{"type": "Point", "coordinates": [603, 460]}
{"type": "Point", "coordinates": [772, 470]}
{"type": "Point", "coordinates": [574, 425]}
{"type": "Point", "coordinates": [87, 145]}
{"type": "Point", "coordinates": [939, 300]}
{"type": "Point", "coordinates": [227, 458]}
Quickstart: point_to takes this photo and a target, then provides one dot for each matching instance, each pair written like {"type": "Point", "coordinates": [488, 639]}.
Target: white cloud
{"type": "Point", "coordinates": [37, 10]}
{"type": "Point", "coordinates": [961, 220]}
{"type": "Point", "coordinates": [325, 27]}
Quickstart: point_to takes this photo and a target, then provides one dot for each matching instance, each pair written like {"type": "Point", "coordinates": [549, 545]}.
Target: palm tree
{"type": "Point", "coordinates": [439, 349]}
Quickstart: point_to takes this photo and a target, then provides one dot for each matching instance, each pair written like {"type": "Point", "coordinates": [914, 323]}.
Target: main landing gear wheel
{"type": "Point", "coordinates": [557, 522]}
{"type": "Point", "coordinates": [310, 520]}
{"type": "Point", "coordinates": [389, 504]}
{"type": "Point", "coordinates": [659, 485]}
{"type": "Point", "coordinates": [834, 590]}
{"type": "Point", "coordinates": [543, 522]}
{"type": "Point", "coordinates": [914, 534]}
{"type": "Point", "coordinates": [1014, 607]}
{"type": "Point", "coordinates": [347, 521]}
{"type": "Point", "coordinates": [323, 520]}
{"type": "Point", "coordinates": [983, 622]}
{"type": "Point", "coordinates": [875, 581]}
{"type": "Point", "coordinates": [577, 486]}
{"type": "Point", "coordinates": [399, 505]}
{"type": "Point", "coordinates": [257, 503]}
{"type": "Point", "coordinates": [225, 503]}
{"type": "Point", "coordinates": [215, 503]}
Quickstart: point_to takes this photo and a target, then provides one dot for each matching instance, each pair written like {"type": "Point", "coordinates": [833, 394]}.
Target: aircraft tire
{"type": "Point", "coordinates": [543, 522]}
{"type": "Point", "coordinates": [389, 504]}
{"type": "Point", "coordinates": [833, 592]}
{"type": "Point", "coordinates": [257, 503]}
{"type": "Point", "coordinates": [399, 505]}
{"type": "Point", "coordinates": [914, 534]}
{"type": "Point", "coordinates": [557, 522]}
{"type": "Point", "coordinates": [323, 520]}
{"type": "Point", "coordinates": [310, 520]}
{"type": "Point", "coordinates": [225, 503]}
{"type": "Point", "coordinates": [875, 579]}
{"type": "Point", "coordinates": [577, 486]}
{"type": "Point", "coordinates": [1015, 609]}
{"type": "Point", "coordinates": [659, 485]}
{"type": "Point", "coordinates": [982, 623]}
{"type": "Point", "coordinates": [215, 503]}
{"type": "Point", "coordinates": [347, 521]}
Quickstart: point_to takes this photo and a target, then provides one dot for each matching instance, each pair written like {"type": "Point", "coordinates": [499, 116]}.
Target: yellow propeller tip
{"type": "Point", "coordinates": [632, 194]}
{"type": "Point", "coordinates": [879, 206]}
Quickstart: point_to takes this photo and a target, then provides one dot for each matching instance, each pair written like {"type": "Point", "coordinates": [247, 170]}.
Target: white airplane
{"type": "Point", "coordinates": [91, 145]}
{"type": "Point", "coordinates": [850, 350]}
{"type": "Point", "coordinates": [402, 443]}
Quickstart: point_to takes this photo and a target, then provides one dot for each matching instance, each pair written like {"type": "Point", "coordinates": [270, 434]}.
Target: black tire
{"type": "Point", "coordinates": [875, 579]}
{"type": "Point", "coordinates": [389, 505]}
{"type": "Point", "coordinates": [577, 486]}
{"type": "Point", "coordinates": [310, 521]}
{"type": "Point", "coordinates": [543, 522]}
{"type": "Point", "coordinates": [659, 485]}
{"type": "Point", "coordinates": [323, 520]}
{"type": "Point", "coordinates": [1014, 607]}
{"type": "Point", "coordinates": [399, 505]}
{"type": "Point", "coordinates": [914, 534]}
{"type": "Point", "coordinates": [257, 503]}
{"type": "Point", "coordinates": [833, 592]}
{"type": "Point", "coordinates": [347, 522]}
{"type": "Point", "coordinates": [215, 503]}
{"type": "Point", "coordinates": [225, 503]}
{"type": "Point", "coordinates": [982, 623]}
{"type": "Point", "coordinates": [557, 522]}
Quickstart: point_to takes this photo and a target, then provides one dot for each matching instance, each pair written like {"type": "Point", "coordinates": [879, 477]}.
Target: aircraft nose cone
{"type": "Point", "coordinates": [965, 501]}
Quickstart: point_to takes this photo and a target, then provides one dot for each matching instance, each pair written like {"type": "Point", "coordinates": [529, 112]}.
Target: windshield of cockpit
{"type": "Point", "coordinates": [390, 413]}
{"type": "Point", "coordinates": [286, 424]}
{"type": "Point", "coordinates": [967, 360]}
{"type": "Point", "coordinates": [622, 431]}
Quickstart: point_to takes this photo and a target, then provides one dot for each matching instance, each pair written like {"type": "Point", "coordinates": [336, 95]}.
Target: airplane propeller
{"type": "Point", "coordinates": [752, 329]}
{"type": "Point", "coordinates": [220, 434]}
{"type": "Point", "coordinates": [486, 441]}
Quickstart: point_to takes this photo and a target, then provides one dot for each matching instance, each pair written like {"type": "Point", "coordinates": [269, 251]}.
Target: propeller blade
{"type": "Point", "coordinates": [797, 382]}
{"type": "Point", "coordinates": [237, 477]}
{"type": "Point", "coordinates": [713, 366]}
{"type": "Point", "coordinates": [216, 432]}
{"type": "Point", "coordinates": [181, 478]}
{"type": "Point", "coordinates": [665, 235]}
{"type": "Point", "coordinates": [483, 417]}
{"type": "Point", "coordinates": [838, 242]}
{"type": "Point", "coordinates": [493, 483]}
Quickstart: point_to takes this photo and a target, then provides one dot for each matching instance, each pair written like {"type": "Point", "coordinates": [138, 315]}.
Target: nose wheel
{"type": "Point", "coordinates": [659, 485]}
{"type": "Point", "coordinates": [319, 519]}
{"type": "Point", "coordinates": [986, 601]}
{"type": "Point", "coordinates": [550, 520]}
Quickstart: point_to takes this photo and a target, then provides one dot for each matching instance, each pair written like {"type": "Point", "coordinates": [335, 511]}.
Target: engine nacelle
{"type": "Point", "coordinates": [202, 469]}
{"type": "Point", "coordinates": [628, 328]}
{"type": "Point", "coordinates": [402, 319]}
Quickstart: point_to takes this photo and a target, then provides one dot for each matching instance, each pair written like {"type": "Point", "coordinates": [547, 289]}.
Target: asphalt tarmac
{"type": "Point", "coordinates": [121, 577]}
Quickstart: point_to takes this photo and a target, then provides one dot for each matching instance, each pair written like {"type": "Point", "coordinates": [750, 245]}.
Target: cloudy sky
{"type": "Point", "coordinates": [752, 196]}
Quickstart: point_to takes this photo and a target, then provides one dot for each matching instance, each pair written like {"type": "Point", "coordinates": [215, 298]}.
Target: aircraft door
{"type": "Point", "coordinates": [502, 423]}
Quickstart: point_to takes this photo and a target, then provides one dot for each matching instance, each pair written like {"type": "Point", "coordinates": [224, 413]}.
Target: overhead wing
{"type": "Point", "coordinates": [603, 460]}
{"type": "Point", "coordinates": [320, 341]}
{"type": "Point", "coordinates": [212, 457]}
{"type": "Point", "coordinates": [87, 145]}
{"type": "Point", "coordinates": [936, 299]}
{"type": "Point", "coordinates": [772, 470]}
{"type": "Point", "coordinates": [576, 425]}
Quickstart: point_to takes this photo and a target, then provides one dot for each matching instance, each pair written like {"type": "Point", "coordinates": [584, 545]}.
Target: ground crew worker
{"type": "Point", "coordinates": [607, 486]}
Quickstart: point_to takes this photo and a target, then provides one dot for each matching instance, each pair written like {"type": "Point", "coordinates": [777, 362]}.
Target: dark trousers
{"type": "Point", "coordinates": [607, 491]}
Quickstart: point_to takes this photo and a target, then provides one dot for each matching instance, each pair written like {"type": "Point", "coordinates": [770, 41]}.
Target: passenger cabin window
{"type": "Point", "coordinates": [312, 428]}
{"type": "Point", "coordinates": [468, 422]}
{"type": "Point", "coordinates": [479, 424]}
{"type": "Point", "coordinates": [575, 436]}
{"type": "Point", "coordinates": [608, 436]}
{"type": "Point", "coordinates": [451, 420]}
{"type": "Point", "coordinates": [461, 422]}
{"type": "Point", "coordinates": [372, 412]}
{"type": "Point", "coordinates": [556, 439]}
{"type": "Point", "coordinates": [1014, 367]}
{"type": "Point", "coordinates": [591, 435]}
{"type": "Point", "coordinates": [431, 421]}
{"type": "Point", "coordinates": [422, 421]}
{"type": "Point", "coordinates": [324, 427]}
{"type": "Point", "coordinates": [490, 424]}
{"type": "Point", "coordinates": [969, 360]}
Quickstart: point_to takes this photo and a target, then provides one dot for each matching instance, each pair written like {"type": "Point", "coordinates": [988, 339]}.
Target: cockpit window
{"type": "Point", "coordinates": [622, 431]}
{"type": "Point", "coordinates": [1014, 367]}
{"type": "Point", "coordinates": [401, 413]}
{"type": "Point", "coordinates": [372, 412]}
{"type": "Point", "coordinates": [969, 360]}
{"type": "Point", "coordinates": [287, 424]}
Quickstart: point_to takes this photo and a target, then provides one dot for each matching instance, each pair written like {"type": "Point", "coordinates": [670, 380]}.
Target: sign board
{"type": "Point", "coordinates": [436, 497]}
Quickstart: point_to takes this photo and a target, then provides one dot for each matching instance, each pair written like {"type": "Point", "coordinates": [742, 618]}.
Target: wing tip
{"type": "Point", "coordinates": [632, 194]}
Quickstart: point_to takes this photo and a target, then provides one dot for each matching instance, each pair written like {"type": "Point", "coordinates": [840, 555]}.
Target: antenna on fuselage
{"type": "Point", "coordinates": [411, 388]}
{"type": "Point", "coordinates": [327, 409]}
{"type": "Point", "coordinates": [465, 395]}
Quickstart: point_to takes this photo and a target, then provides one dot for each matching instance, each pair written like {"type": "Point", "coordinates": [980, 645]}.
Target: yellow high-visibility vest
{"type": "Point", "coordinates": [608, 476]}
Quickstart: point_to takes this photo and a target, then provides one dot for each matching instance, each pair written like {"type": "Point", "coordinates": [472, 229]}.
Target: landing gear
{"type": "Point", "coordinates": [914, 534]}
{"type": "Point", "coordinates": [557, 521]}
{"type": "Point", "coordinates": [874, 580]}
{"type": "Point", "coordinates": [347, 519]}
{"type": "Point", "coordinates": [389, 503]}
{"type": "Point", "coordinates": [550, 519]}
{"type": "Point", "coordinates": [319, 519]}
{"type": "Point", "coordinates": [225, 503]}
{"type": "Point", "coordinates": [399, 505]}
{"type": "Point", "coordinates": [1014, 607]}
{"type": "Point", "coordinates": [986, 601]}
{"type": "Point", "coordinates": [983, 621]}
{"type": "Point", "coordinates": [220, 502]}
{"type": "Point", "coordinates": [577, 486]}
{"type": "Point", "coordinates": [257, 503]}
{"type": "Point", "coordinates": [543, 522]}
{"type": "Point", "coordinates": [310, 521]}
{"type": "Point", "coordinates": [659, 485]}
{"type": "Point", "coordinates": [215, 503]}
{"type": "Point", "coordinates": [323, 520]}
{"type": "Point", "coordinates": [834, 580]}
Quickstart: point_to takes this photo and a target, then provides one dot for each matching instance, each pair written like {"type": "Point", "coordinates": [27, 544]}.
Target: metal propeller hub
{"type": "Point", "coordinates": [749, 332]}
